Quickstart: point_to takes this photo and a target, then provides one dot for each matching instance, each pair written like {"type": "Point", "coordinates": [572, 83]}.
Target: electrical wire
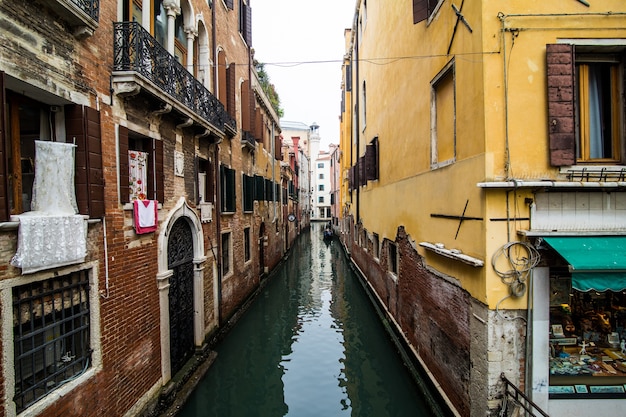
{"type": "Point", "coordinates": [520, 258]}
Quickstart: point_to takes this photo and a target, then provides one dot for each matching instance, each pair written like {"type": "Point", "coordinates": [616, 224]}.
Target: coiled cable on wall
{"type": "Point", "coordinates": [513, 263]}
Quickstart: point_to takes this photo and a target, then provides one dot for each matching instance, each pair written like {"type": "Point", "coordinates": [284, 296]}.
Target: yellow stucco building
{"type": "Point", "coordinates": [484, 167]}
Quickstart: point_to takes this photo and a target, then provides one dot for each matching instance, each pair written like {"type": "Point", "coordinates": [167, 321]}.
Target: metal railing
{"type": "Point", "coordinates": [248, 139]}
{"type": "Point", "coordinates": [136, 50]}
{"type": "Point", "coordinates": [91, 7]}
{"type": "Point", "coordinates": [597, 174]}
{"type": "Point", "coordinates": [514, 398]}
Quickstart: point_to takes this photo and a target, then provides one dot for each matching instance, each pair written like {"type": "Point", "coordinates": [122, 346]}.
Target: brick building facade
{"type": "Point", "coordinates": [173, 183]}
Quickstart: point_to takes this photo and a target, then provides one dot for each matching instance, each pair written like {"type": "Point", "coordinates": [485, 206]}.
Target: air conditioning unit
{"type": "Point", "coordinates": [206, 212]}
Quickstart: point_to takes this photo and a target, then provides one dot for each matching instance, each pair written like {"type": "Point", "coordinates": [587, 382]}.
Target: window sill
{"type": "Point", "coordinates": [455, 254]}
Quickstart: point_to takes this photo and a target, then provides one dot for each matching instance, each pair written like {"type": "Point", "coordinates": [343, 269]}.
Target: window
{"type": "Point", "coordinates": [160, 23]}
{"type": "Point", "coordinates": [371, 160]}
{"type": "Point", "coordinates": [586, 79]}
{"type": "Point", "coordinates": [141, 167]}
{"type": "Point", "coordinates": [321, 176]}
{"type": "Point", "coordinates": [320, 199]}
{"type": "Point", "coordinates": [245, 21]}
{"type": "Point", "coordinates": [226, 254]}
{"type": "Point", "coordinates": [443, 116]}
{"type": "Point", "coordinates": [205, 181]}
{"type": "Point", "coordinates": [392, 254]}
{"type": "Point", "coordinates": [268, 189]}
{"type": "Point", "coordinates": [248, 193]}
{"type": "Point", "coordinates": [320, 187]}
{"type": "Point", "coordinates": [51, 335]}
{"type": "Point", "coordinates": [259, 188]}
{"type": "Point", "coordinates": [29, 120]}
{"type": "Point", "coordinates": [598, 108]}
{"type": "Point", "coordinates": [363, 108]}
{"type": "Point", "coordinates": [320, 165]}
{"type": "Point", "coordinates": [375, 246]}
{"type": "Point", "coordinates": [246, 244]}
{"type": "Point", "coordinates": [180, 40]}
{"type": "Point", "coordinates": [228, 189]}
{"type": "Point", "coordinates": [423, 9]}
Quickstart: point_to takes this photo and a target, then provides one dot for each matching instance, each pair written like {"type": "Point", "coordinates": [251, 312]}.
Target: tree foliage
{"type": "Point", "coordinates": [268, 87]}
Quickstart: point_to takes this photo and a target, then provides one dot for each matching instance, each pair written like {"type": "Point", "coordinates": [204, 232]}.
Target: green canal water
{"type": "Point", "coordinates": [312, 345]}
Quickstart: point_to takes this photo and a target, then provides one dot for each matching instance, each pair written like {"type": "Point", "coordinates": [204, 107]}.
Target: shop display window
{"type": "Point", "coordinates": [587, 342]}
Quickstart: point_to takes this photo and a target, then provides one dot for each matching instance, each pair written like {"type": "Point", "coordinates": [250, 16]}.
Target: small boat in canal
{"type": "Point", "coordinates": [328, 233]}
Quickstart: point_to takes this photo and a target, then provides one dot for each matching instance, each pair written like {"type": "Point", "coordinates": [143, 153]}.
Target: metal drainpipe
{"type": "Point", "coordinates": [273, 145]}
{"type": "Point", "coordinates": [216, 178]}
{"type": "Point", "coordinates": [357, 106]}
{"type": "Point", "coordinates": [218, 232]}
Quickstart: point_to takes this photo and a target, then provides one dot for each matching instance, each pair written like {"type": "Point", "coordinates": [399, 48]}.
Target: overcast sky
{"type": "Point", "coordinates": [291, 37]}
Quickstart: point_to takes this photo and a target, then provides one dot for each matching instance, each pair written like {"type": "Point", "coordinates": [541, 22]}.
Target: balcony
{"type": "Point", "coordinates": [142, 65]}
{"type": "Point", "coordinates": [82, 15]}
{"type": "Point", "coordinates": [247, 140]}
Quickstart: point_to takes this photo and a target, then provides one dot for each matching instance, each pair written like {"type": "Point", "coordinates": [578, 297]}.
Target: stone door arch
{"type": "Point", "coordinates": [181, 223]}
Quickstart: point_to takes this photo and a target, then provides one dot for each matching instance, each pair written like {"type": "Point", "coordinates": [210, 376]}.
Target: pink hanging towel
{"type": "Point", "coordinates": [146, 216]}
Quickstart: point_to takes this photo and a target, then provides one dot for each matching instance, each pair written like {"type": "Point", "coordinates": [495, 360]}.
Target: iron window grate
{"type": "Point", "coordinates": [51, 335]}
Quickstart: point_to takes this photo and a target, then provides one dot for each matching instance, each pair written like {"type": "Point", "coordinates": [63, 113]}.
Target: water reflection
{"type": "Point", "coordinates": [311, 345]}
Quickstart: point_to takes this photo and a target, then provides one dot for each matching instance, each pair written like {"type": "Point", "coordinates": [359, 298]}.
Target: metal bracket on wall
{"type": "Point", "coordinates": [460, 218]}
{"type": "Point", "coordinates": [459, 18]}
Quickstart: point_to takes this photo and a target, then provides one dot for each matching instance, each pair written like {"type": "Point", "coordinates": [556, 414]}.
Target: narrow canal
{"type": "Point", "coordinates": [311, 344]}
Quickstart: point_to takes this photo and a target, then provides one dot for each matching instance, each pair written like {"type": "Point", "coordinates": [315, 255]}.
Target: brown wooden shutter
{"type": "Point", "coordinates": [371, 161]}
{"type": "Point", "coordinates": [420, 10]}
{"type": "Point", "coordinates": [361, 165]}
{"type": "Point", "coordinates": [159, 193]}
{"type": "Point", "coordinates": [561, 115]}
{"type": "Point", "coordinates": [123, 163]}
{"type": "Point", "coordinates": [4, 200]}
{"type": "Point", "coordinates": [253, 110]}
{"type": "Point", "coordinates": [95, 172]}
{"type": "Point", "coordinates": [278, 148]}
{"type": "Point", "coordinates": [231, 83]}
{"type": "Point", "coordinates": [82, 125]}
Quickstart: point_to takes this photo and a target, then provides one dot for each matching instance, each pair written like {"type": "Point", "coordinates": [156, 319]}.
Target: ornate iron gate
{"type": "Point", "coordinates": [180, 260]}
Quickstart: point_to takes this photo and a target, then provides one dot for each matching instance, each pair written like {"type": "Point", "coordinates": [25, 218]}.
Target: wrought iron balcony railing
{"type": "Point", "coordinates": [247, 139]}
{"type": "Point", "coordinates": [136, 50]}
{"type": "Point", "coordinates": [91, 7]}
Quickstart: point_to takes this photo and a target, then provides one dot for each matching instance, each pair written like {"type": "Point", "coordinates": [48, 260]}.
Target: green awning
{"type": "Point", "coordinates": [596, 262]}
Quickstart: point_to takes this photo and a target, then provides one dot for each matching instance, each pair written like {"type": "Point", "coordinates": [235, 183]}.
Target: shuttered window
{"type": "Point", "coordinates": [231, 85]}
{"type": "Point", "coordinates": [371, 160]}
{"type": "Point", "coordinates": [228, 189]}
{"type": "Point", "coordinates": [248, 193]}
{"type": "Point", "coordinates": [154, 148]}
{"type": "Point", "coordinates": [204, 174]}
{"type": "Point", "coordinates": [83, 127]}
{"type": "Point", "coordinates": [584, 104]}
{"type": "Point", "coordinates": [422, 9]}
{"type": "Point", "coordinates": [259, 188]}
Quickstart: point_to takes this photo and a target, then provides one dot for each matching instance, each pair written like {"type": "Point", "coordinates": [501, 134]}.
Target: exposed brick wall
{"type": "Point", "coordinates": [433, 312]}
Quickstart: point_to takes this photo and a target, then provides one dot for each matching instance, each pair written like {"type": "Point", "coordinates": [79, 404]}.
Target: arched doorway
{"type": "Point", "coordinates": [180, 255]}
